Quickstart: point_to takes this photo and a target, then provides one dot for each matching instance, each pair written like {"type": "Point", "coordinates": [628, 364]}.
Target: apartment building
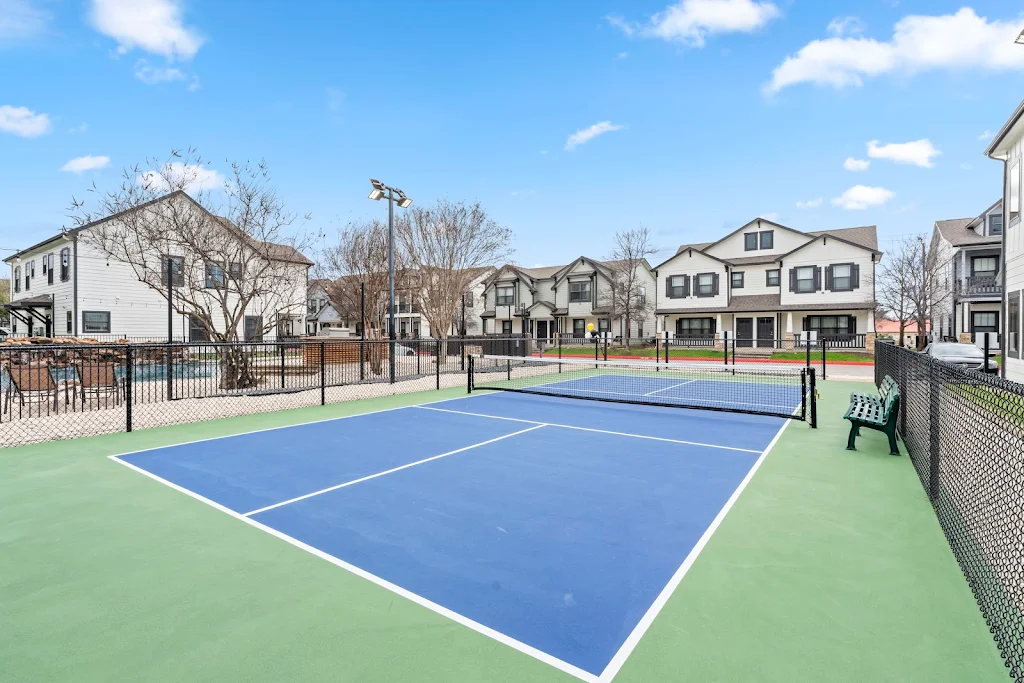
{"type": "Point", "coordinates": [969, 252]}
{"type": "Point", "coordinates": [564, 300]}
{"type": "Point", "coordinates": [1008, 146]}
{"type": "Point", "coordinates": [765, 282]}
{"type": "Point", "coordinates": [66, 286]}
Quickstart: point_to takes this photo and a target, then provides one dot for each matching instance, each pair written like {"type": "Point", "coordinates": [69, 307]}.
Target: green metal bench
{"type": "Point", "coordinates": [875, 413]}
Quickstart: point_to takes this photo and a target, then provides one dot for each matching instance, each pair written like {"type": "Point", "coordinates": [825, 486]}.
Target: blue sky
{"type": "Point", "coordinates": [568, 120]}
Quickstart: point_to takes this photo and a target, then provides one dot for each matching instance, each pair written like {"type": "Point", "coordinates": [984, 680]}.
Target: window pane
{"type": "Point", "coordinates": [773, 278]}
{"type": "Point", "coordinates": [767, 239]}
{"type": "Point", "coordinates": [96, 321]}
{"type": "Point", "coordinates": [750, 241]}
{"type": "Point", "coordinates": [737, 280]}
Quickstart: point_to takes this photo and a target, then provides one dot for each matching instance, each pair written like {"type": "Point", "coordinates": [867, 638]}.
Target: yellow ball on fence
{"type": "Point", "coordinates": [590, 326]}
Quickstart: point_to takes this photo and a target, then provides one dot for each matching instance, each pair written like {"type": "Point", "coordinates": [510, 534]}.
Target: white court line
{"type": "Point", "coordinates": [289, 426]}
{"type": "Point", "coordinates": [656, 391]}
{"type": "Point", "coordinates": [652, 612]}
{"type": "Point", "coordinates": [696, 404]}
{"type": "Point", "coordinates": [393, 469]}
{"type": "Point", "coordinates": [383, 583]}
{"type": "Point", "coordinates": [590, 429]}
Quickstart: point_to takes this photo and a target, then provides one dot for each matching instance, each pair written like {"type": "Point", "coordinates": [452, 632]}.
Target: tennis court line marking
{"type": "Point", "coordinates": [645, 622]}
{"type": "Point", "coordinates": [296, 424]}
{"type": "Point", "coordinates": [590, 429]}
{"type": "Point", "coordinates": [656, 391]}
{"type": "Point", "coordinates": [383, 583]}
{"type": "Point", "coordinates": [393, 469]}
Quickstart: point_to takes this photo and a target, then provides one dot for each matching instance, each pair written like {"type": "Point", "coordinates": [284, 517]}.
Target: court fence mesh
{"type": "Point", "coordinates": [964, 432]}
{"type": "Point", "coordinates": [778, 391]}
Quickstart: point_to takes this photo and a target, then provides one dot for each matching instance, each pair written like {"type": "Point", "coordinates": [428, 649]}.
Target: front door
{"type": "Point", "coordinates": [744, 331]}
{"type": "Point", "coordinates": [542, 329]}
{"type": "Point", "coordinates": [766, 332]}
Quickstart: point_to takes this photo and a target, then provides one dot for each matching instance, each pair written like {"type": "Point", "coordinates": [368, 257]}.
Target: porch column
{"type": "Point", "coordinates": [789, 322]}
{"type": "Point", "coordinates": [718, 323]}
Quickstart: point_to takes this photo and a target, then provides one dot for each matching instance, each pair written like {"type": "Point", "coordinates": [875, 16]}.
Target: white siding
{"type": "Point", "coordinates": [1014, 249]}
{"type": "Point", "coordinates": [754, 280]}
{"type": "Point", "coordinates": [784, 241]}
{"type": "Point", "coordinates": [824, 252]}
{"type": "Point", "coordinates": [691, 263]}
{"type": "Point", "coordinates": [62, 292]}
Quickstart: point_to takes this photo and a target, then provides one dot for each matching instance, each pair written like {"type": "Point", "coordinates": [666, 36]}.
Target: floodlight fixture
{"type": "Point", "coordinates": [1020, 39]}
{"type": "Point", "coordinates": [376, 194]}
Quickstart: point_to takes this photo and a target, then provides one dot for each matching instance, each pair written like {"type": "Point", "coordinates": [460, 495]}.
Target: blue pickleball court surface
{"type": "Point", "coordinates": [553, 522]}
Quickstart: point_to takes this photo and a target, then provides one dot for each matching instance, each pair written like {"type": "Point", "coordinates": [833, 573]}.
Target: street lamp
{"type": "Point", "coordinates": [392, 194]}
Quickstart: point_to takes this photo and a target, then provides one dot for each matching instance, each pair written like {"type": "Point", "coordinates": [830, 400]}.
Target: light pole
{"type": "Point", "coordinates": [392, 194]}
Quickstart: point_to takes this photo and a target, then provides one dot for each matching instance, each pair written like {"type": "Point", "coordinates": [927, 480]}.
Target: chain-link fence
{"type": "Point", "coordinates": [52, 392]}
{"type": "Point", "coordinates": [964, 431]}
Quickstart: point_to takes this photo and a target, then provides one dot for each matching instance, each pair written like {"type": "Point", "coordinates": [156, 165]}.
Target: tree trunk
{"type": "Point", "coordinates": [236, 369]}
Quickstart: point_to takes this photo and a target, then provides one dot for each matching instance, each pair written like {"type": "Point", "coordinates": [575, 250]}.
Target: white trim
{"type": "Point", "coordinates": [383, 583]}
{"type": "Point", "coordinates": [590, 429]}
{"type": "Point", "coordinates": [393, 469]}
{"type": "Point", "coordinates": [652, 612]}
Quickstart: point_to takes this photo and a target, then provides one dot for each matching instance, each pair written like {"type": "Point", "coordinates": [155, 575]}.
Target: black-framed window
{"type": "Point", "coordinates": [506, 327]}
{"type": "Point", "coordinates": [196, 330]}
{"type": "Point", "coordinates": [96, 322]}
{"type": "Point", "coordinates": [17, 279]}
{"type": "Point", "coordinates": [642, 295]}
{"type": "Point", "coordinates": [695, 327]}
{"type": "Point", "coordinates": [235, 270]}
{"type": "Point", "coordinates": [579, 291]}
{"type": "Point", "coordinates": [48, 268]}
{"type": "Point", "coordinates": [804, 279]}
{"type": "Point", "coordinates": [831, 325]}
{"type": "Point", "coordinates": [767, 239]}
{"type": "Point", "coordinates": [30, 272]}
{"type": "Point", "coordinates": [253, 326]}
{"type": "Point", "coordinates": [215, 277]}
{"type": "Point", "coordinates": [604, 325]}
{"type": "Point", "coordinates": [640, 329]}
{"type": "Point", "coordinates": [504, 295]}
{"type": "Point", "coordinates": [69, 320]}
{"type": "Point", "coordinates": [177, 274]}
{"type": "Point", "coordinates": [65, 264]}
{"type": "Point", "coordinates": [771, 278]}
{"type": "Point", "coordinates": [1013, 324]}
{"type": "Point", "coordinates": [984, 266]}
{"type": "Point", "coordinates": [579, 327]}
{"type": "Point", "coordinates": [737, 280]}
{"type": "Point", "coordinates": [984, 321]}
{"type": "Point", "coordinates": [995, 224]}
{"type": "Point", "coordinates": [676, 287]}
{"type": "Point", "coordinates": [750, 241]}
{"type": "Point", "coordinates": [705, 284]}
{"type": "Point", "coordinates": [842, 277]}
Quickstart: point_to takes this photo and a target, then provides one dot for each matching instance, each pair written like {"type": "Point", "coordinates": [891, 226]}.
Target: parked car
{"type": "Point", "coordinates": [967, 356]}
{"type": "Point", "coordinates": [403, 351]}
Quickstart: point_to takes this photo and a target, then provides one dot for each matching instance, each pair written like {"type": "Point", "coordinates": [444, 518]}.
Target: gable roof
{"type": "Point", "coordinates": [824, 234]}
{"type": "Point", "coordinates": [746, 225]}
{"type": "Point", "coordinates": [687, 248]}
{"type": "Point", "coordinates": [995, 149]}
{"type": "Point", "coordinates": [864, 236]}
{"type": "Point", "coordinates": [699, 246]}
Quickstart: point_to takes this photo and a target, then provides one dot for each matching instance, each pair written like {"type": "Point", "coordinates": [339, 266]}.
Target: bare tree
{"type": "Point", "coordinates": [627, 296]}
{"type": "Point", "coordinates": [911, 284]}
{"type": "Point", "coordinates": [445, 246]}
{"type": "Point", "coordinates": [225, 250]}
{"type": "Point", "coordinates": [5, 297]}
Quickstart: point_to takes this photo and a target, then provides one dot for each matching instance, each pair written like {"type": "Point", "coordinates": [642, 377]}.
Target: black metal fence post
{"type": "Point", "coordinates": [934, 463]}
{"type": "Point", "coordinates": [281, 348]}
{"type": "Point", "coordinates": [807, 347]}
{"type": "Point", "coordinates": [323, 373]}
{"type": "Point", "coordinates": [437, 366]}
{"type": "Point", "coordinates": [128, 381]}
{"type": "Point", "coordinates": [362, 330]}
{"type": "Point", "coordinates": [725, 345]}
{"type": "Point", "coordinates": [469, 376]}
{"type": "Point", "coordinates": [824, 354]}
{"type": "Point", "coordinates": [803, 394]}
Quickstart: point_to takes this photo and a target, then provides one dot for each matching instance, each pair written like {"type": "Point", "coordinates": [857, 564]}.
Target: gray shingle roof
{"type": "Point", "coordinates": [699, 246]}
{"type": "Point", "coordinates": [955, 232]}
{"type": "Point", "coordinates": [865, 235]}
{"type": "Point", "coordinates": [755, 303]}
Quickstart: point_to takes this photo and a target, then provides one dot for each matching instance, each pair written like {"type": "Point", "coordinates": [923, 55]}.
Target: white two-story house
{"type": "Point", "coordinates": [67, 286]}
{"type": "Point", "coordinates": [1008, 146]}
{"type": "Point", "coordinates": [765, 282]}
{"type": "Point", "coordinates": [564, 300]}
{"type": "Point", "coordinates": [970, 260]}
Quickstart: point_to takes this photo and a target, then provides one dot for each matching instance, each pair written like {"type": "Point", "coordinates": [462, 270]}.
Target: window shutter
{"type": "Point", "coordinates": [828, 278]}
{"type": "Point", "coordinates": [668, 287]}
{"type": "Point", "coordinates": [714, 284]}
{"type": "Point", "coordinates": [852, 324]}
{"type": "Point", "coordinates": [686, 286]}
{"type": "Point", "coordinates": [817, 278]}
{"type": "Point", "coordinates": [855, 275]}
{"type": "Point", "coordinates": [713, 324]}
{"type": "Point", "coordinates": [792, 280]}
{"type": "Point", "coordinates": [805, 323]}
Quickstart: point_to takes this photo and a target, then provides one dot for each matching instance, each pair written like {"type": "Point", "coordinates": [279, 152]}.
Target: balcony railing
{"type": "Point", "coordinates": [979, 285]}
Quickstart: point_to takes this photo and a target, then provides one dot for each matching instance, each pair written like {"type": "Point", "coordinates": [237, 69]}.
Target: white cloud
{"type": "Point", "coordinates": [622, 55]}
{"type": "Point", "coordinates": [154, 26]}
{"type": "Point", "coordinates": [770, 216]}
{"type": "Point", "coordinates": [852, 164]}
{"type": "Point", "coordinates": [585, 135]}
{"type": "Point", "coordinates": [152, 75]}
{"type": "Point", "coordinates": [691, 21]}
{"type": "Point", "coordinates": [985, 135]}
{"type": "Point", "coordinates": [966, 167]}
{"type": "Point", "coordinates": [86, 163]}
{"type": "Point", "coordinates": [919, 43]}
{"type": "Point", "coordinates": [80, 128]}
{"type": "Point", "coordinates": [918, 152]}
{"type": "Point", "coordinates": [23, 122]}
{"type": "Point", "coordinates": [862, 196]}
{"type": "Point", "coordinates": [21, 20]}
{"type": "Point", "coordinates": [845, 26]}
{"type": "Point", "coordinates": [809, 203]}
{"type": "Point", "coordinates": [191, 178]}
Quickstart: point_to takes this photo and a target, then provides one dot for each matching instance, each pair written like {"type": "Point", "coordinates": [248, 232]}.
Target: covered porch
{"type": "Point", "coordinates": [31, 316]}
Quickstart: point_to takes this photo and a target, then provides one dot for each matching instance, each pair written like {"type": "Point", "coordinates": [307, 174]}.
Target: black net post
{"type": "Point", "coordinates": [824, 353]}
{"type": "Point", "coordinates": [469, 376]}
{"type": "Point", "coordinates": [128, 381]}
{"type": "Point", "coordinates": [803, 394]}
{"type": "Point", "coordinates": [657, 350]}
{"type": "Point", "coordinates": [725, 346]}
{"type": "Point", "coordinates": [807, 348]}
{"type": "Point", "coordinates": [323, 373]}
{"type": "Point", "coordinates": [606, 347]}
{"type": "Point", "coordinates": [814, 400]}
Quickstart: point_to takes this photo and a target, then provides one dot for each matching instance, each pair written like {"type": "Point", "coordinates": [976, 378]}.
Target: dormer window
{"type": "Point", "coordinates": [995, 224]}
{"type": "Point", "coordinates": [768, 239]}
{"type": "Point", "coordinates": [752, 241]}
